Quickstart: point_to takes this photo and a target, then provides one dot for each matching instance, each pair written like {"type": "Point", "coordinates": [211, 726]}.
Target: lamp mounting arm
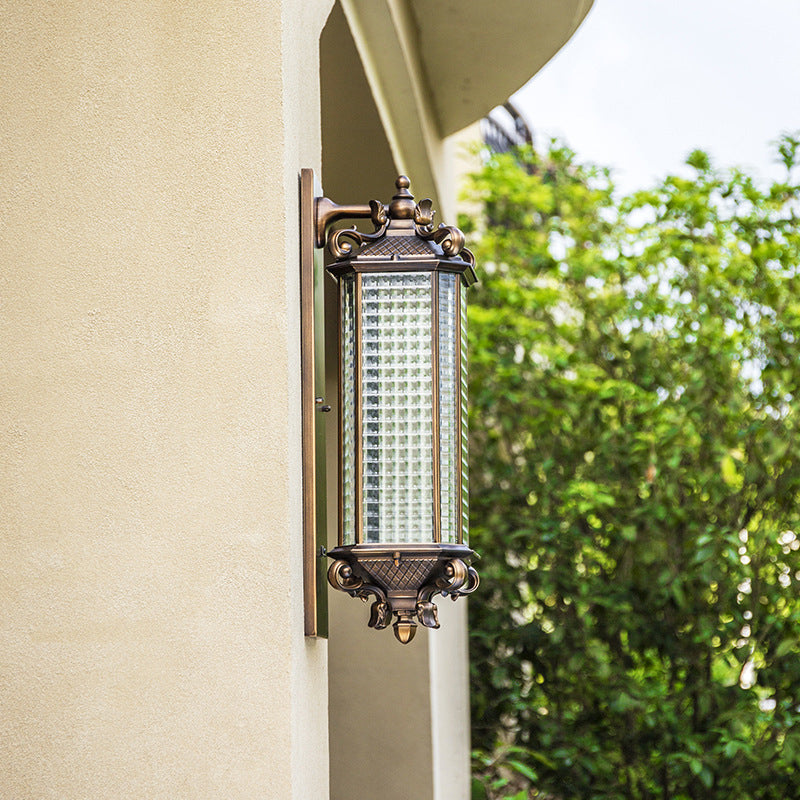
{"type": "Point", "coordinates": [326, 212]}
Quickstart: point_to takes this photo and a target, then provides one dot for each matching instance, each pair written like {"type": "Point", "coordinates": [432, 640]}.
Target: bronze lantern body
{"type": "Point", "coordinates": [402, 410]}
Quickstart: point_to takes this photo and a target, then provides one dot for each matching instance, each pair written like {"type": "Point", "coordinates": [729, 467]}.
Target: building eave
{"type": "Point", "coordinates": [477, 54]}
{"type": "Point", "coordinates": [436, 67]}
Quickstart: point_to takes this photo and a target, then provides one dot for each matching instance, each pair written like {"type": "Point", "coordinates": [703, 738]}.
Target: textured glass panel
{"type": "Point", "coordinates": [449, 384]}
{"type": "Point", "coordinates": [396, 391]}
{"type": "Point", "coordinates": [348, 356]}
{"type": "Point", "coordinates": [464, 437]}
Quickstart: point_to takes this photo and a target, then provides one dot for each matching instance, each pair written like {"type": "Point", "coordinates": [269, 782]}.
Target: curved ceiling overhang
{"type": "Point", "coordinates": [477, 54]}
{"type": "Point", "coordinates": [436, 66]}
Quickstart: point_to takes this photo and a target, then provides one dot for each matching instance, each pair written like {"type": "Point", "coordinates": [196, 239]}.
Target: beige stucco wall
{"type": "Point", "coordinates": [150, 618]}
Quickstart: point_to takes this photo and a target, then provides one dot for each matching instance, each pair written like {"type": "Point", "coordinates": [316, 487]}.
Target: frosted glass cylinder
{"type": "Point", "coordinates": [401, 363]}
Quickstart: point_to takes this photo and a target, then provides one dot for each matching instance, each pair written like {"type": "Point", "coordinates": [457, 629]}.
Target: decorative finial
{"type": "Point", "coordinates": [402, 205]}
{"type": "Point", "coordinates": [404, 629]}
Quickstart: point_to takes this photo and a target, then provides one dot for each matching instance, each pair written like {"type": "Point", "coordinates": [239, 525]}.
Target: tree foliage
{"type": "Point", "coordinates": [635, 389]}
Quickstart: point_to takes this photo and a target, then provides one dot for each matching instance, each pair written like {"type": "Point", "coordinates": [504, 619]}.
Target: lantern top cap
{"type": "Point", "coordinates": [404, 231]}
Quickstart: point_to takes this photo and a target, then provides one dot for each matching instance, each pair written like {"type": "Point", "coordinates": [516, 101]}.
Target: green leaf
{"type": "Point", "coordinates": [706, 777]}
{"type": "Point", "coordinates": [787, 646]}
{"type": "Point", "coordinates": [729, 472]}
{"type": "Point", "coordinates": [628, 533]}
{"type": "Point", "coordinates": [478, 790]}
{"type": "Point", "coordinates": [523, 769]}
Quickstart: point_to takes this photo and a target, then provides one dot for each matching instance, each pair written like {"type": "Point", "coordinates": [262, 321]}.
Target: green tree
{"type": "Point", "coordinates": [635, 389]}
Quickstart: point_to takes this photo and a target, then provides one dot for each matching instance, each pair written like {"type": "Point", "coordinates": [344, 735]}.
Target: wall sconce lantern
{"type": "Point", "coordinates": [402, 409]}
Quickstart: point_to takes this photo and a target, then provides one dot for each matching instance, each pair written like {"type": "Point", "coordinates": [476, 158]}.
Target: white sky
{"type": "Point", "coordinates": [644, 82]}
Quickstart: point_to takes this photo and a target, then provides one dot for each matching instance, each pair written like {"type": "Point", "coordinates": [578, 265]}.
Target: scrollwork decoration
{"type": "Point", "coordinates": [454, 576]}
{"type": "Point", "coordinates": [450, 577]}
{"type": "Point", "coordinates": [448, 237]}
{"type": "Point", "coordinates": [379, 214]}
{"type": "Point", "coordinates": [428, 614]}
{"type": "Point", "coordinates": [341, 576]}
{"type": "Point", "coordinates": [344, 242]}
{"type": "Point", "coordinates": [467, 255]}
{"type": "Point", "coordinates": [472, 583]}
{"type": "Point", "coordinates": [341, 241]}
{"type": "Point", "coordinates": [423, 216]}
{"type": "Point", "coordinates": [456, 580]}
{"type": "Point", "coordinates": [380, 615]}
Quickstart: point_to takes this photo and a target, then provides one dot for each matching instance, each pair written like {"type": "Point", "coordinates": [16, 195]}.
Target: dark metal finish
{"type": "Point", "coordinates": [327, 212]}
{"type": "Point", "coordinates": [403, 579]}
{"type": "Point", "coordinates": [505, 129]}
{"type": "Point", "coordinates": [403, 232]}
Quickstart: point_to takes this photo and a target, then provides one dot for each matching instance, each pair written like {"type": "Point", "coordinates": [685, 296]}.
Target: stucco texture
{"type": "Point", "coordinates": [150, 613]}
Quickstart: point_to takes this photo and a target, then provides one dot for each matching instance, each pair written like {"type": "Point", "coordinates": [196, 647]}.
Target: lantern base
{"type": "Point", "coordinates": [403, 578]}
